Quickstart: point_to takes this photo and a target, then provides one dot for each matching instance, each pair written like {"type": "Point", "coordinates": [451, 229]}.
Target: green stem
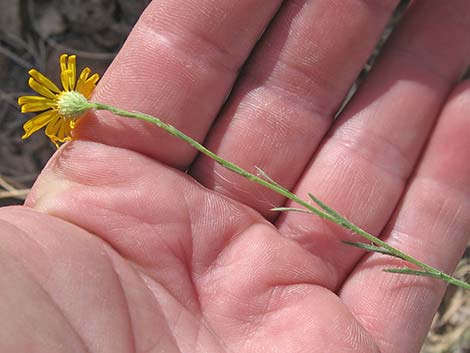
{"type": "Point", "coordinates": [331, 216]}
{"type": "Point", "coordinates": [229, 165]}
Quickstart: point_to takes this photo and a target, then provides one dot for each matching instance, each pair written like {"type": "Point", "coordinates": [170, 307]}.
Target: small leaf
{"type": "Point", "coordinates": [266, 176]}
{"type": "Point", "coordinates": [286, 209]}
{"type": "Point", "coordinates": [368, 247]}
{"type": "Point", "coordinates": [326, 208]}
{"type": "Point", "coordinates": [340, 220]}
{"type": "Point", "coordinates": [409, 271]}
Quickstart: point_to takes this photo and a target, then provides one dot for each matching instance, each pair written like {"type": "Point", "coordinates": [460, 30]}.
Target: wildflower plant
{"type": "Point", "coordinates": [61, 108]}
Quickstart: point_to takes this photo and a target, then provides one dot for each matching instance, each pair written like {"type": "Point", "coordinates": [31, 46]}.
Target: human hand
{"type": "Point", "coordinates": [128, 253]}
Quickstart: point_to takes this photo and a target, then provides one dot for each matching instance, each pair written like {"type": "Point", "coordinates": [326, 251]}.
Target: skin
{"type": "Point", "coordinates": [118, 250]}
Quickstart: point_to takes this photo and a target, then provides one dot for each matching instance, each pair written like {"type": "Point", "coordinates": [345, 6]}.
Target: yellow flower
{"type": "Point", "coordinates": [57, 117]}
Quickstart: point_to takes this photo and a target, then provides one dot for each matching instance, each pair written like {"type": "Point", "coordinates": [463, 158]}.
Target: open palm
{"type": "Point", "coordinates": [131, 242]}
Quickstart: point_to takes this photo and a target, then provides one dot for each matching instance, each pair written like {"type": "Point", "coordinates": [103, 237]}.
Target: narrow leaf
{"type": "Point", "coordinates": [409, 271]}
{"type": "Point", "coordinates": [340, 220]}
{"type": "Point", "coordinates": [326, 208]}
{"type": "Point", "coordinates": [285, 209]}
{"type": "Point", "coordinates": [266, 176]}
{"type": "Point", "coordinates": [368, 247]}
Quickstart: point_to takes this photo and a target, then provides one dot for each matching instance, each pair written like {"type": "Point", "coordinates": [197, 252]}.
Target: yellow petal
{"type": "Point", "coordinates": [33, 99]}
{"type": "Point", "coordinates": [61, 132]}
{"type": "Point", "coordinates": [82, 79]}
{"type": "Point", "coordinates": [57, 131]}
{"type": "Point", "coordinates": [72, 68]}
{"type": "Point", "coordinates": [54, 141]}
{"type": "Point", "coordinates": [63, 62]}
{"type": "Point", "coordinates": [36, 107]}
{"type": "Point", "coordinates": [43, 91]}
{"type": "Point", "coordinates": [69, 125]}
{"type": "Point", "coordinates": [38, 122]}
{"type": "Point", "coordinates": [87, 90]}
{"type": "Point", "coordinates": [90, 85]}
{"type": "Point", "coordinates": [94, 78]}
{"type": "Point", "coordinates": [53, 127]}
{"type": "Point", "coordinates": [64, 72]}
{"type": "Point", "coordinates": [44, 80]}
{"type": "Point", "coordinates": [85, 73]}
{"type": "Point", "coordinates": [64, 78]}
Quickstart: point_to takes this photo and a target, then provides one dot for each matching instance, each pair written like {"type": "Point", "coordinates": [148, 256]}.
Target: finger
{"type": "Point", "coordinates": [287, 95]}
{"type": "Point", "coordinates": [178, 64]}
{"type": "Point", "coordinates": [431, 224]}
{"type": "Point", "coordinates": [364, 164]}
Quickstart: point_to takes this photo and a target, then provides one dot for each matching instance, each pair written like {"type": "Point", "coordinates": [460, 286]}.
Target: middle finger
{"type": "Point", "coordinates": [288, 93]}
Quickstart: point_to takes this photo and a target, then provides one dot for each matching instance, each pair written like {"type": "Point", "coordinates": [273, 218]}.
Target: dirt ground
{"type": "Point", "coordinates": [33, 33]}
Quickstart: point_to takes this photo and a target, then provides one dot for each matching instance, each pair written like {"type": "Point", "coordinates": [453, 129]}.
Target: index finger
{"type": "Point", "coordinates": [179, 64]}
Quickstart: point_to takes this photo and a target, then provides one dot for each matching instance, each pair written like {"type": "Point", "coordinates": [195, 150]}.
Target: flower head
{"type": "Point", "coordinates": [59, 109]}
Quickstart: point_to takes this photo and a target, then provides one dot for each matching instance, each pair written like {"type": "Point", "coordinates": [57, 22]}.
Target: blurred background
{"type": "Point", "coordinates": [33, 33]}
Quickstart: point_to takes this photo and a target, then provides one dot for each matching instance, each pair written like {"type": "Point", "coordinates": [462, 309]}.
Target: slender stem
{"type": "Point", "coordinates": [229, 165]}
{"type": "Point", "coordinates": [336, 218]}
